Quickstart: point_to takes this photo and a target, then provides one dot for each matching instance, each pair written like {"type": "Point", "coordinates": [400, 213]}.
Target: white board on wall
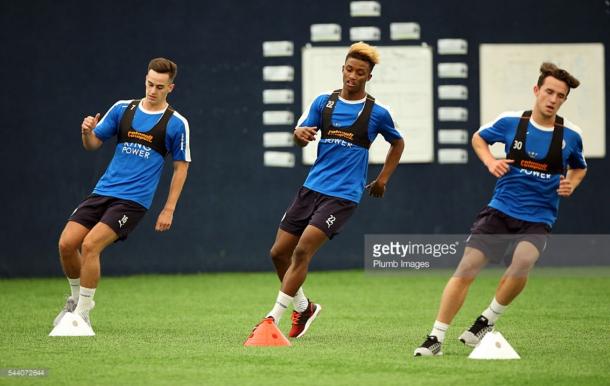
{"type": "Point", "coordinates": [402, 81]}
{"type": "Point", "coordinates": [508, 73]}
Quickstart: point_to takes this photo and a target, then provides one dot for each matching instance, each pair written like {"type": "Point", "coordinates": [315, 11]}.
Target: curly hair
{"type": "Point", "coordinates": [365, 52]}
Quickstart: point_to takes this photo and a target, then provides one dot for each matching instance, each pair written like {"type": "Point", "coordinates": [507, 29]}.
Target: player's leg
{"type": "Point", "coordinates": [511, 284]}
{"type": "Point", "coordinates": [281, 251]}
{"type": "Point", "coordinates": [457, 287]}
{"type": "Point", "coordinates": [84, 217]}
{"type": "Point", "coordinates": [281, 255]}
{"type": "Point", "coordinates": [331, 215]}
{"type": "Point", "coordinates": [69, 248]}
{"type": "Point", "coordinates": [69, 252]}
{"type": "Point", "coordinates": [452, 299]}
{"type": "Point", "coordinates": [309, 243]}
{"type": "Point", "coordinates": [515, 278]}
{"type": "Point", "coordinates": [100, 236]}
{"type": "Point", "coordinates": [292, 225]}
{"type": "Point", "coordinates": [119, 219]}
{"type": "Point", "coordinates": [530, 243]}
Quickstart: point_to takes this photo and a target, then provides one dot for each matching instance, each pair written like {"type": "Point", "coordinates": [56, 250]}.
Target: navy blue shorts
{"type": "Point", "coordinates": [120, 215]}
{"type": "Point", "coordinates": [327, 213]}
{"type": "Point", "coordinates": [497, 234]}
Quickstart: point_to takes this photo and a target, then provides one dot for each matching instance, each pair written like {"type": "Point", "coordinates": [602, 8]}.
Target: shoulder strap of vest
{"type": "Point", "coordinates": [517, 147]}
{"type": "Point", "coordinates": [328, 110]}
{"type": "Point", "coordinates": [127, 118]}
{"type": "Point", "coordinates": [555, 155]}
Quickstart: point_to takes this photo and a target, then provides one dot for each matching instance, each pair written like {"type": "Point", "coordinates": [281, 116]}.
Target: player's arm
{"type": "Point", "coordinates": [305, 134]}
{"type": "Point", "coordinates": [497, 167]}
{"type": "Point", "coordinates": [377, 187]}
{"type": "Point", "coordinates": [90, 140]}
{"type": "Point", "coordinates": [164, 221]}
{"type": "Point", "coordinates": [306, 129]}
{"type": "Point", "coordinates": [570, 182]}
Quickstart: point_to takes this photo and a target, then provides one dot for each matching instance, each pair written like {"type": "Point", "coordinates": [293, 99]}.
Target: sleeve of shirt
{"type": "Point", "coordinates": [387, 127]}
{"type": "Point", "coordinates": [495, 131]}
{"type": "Point", "coordinates": [108, 126]}
{"type": "Point", "coordinates": [177, 139]}
{"type": "Point", "coordinates": [312, 117]}
{"type": "Point", "coordinates": [577, 158]}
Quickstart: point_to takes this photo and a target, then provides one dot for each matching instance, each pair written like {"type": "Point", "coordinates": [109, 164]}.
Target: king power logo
{"type": "Point", "coordinates": [330, 220]}
{"type": "Point", "coordinates": [123, 221]}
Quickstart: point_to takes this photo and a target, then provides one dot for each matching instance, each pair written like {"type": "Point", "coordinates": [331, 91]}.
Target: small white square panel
{"type": "Point", "coordinates": [278, 96]}
{"type": "Point", "coordinates": [364, 34]}
{"type": "Point", "coordinates": [458, 114]}
{"type": "Point", "coordinates": [364, 8]}
{"type": "Point", "coordinates": [278, 73]}
{"type": "Point", "coordinates": [405, 31]}
{"type": "Point", "coordinates": [452, 156]}
{"type": "Point", "coordinates": [452, 47]}
{"type": "Point", "coordinates": [278, 48]}
{"type": "Point", "coordinates": [452, 70]}
{"type": "Point", "coordinates": [278, 117]}
{"type": "Point", "coordinates": [278, 139]}
{"type": "Point", "coordinates": [452, 137]}
{"type": "Point", "coordinates": [325, 32]}
{"type": "Point", "coordinates": [452, 92]}
{"type": "Point", "coordinates": [281, 159]}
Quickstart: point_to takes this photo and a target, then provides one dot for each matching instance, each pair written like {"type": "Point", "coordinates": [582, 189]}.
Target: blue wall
{"type": "Point", "coordinates": [62, 60]}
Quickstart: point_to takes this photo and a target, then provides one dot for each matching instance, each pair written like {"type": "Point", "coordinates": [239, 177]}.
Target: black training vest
{"type": "Point", "coordinates": [358, 132]}
{"type": "Point", "coordinates": [552, 163]}
{"type": "Point", "coordinates": [154, 138]}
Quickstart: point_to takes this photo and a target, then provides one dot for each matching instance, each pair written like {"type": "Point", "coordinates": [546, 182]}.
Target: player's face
{"type": "Point", "coordinates": [356, 73]}
{"type": "Point", "coordinates": [157, 87]}
{"type": "Point", "coordinates": [550, 96]}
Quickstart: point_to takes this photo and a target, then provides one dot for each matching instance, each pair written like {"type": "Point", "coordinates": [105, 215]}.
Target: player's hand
{"type": "Point", "coordinates": [305, 134]}
{"type": "Point", "coordinates": [565, 187]}
{"type": "Point", "coordinates": [376, 188]}
{"type": "Point", "coordinates": [89, 124]}
{"type": "Point", "coordinates": [499, 167]}
{"type": "Point", "coordinates": [164, 221]}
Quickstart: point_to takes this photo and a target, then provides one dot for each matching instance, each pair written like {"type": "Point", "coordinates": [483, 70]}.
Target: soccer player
{"type": "Point", "coordinates": [146, 130]}
{"type": "Point", "coordinates": [349, 119]}
{"type": "Point", "coordinates": [544, 162]}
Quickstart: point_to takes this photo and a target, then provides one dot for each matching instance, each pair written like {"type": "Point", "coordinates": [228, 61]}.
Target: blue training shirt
{"type": "Point", "coordinates": [135, 169]}
{"type": "Point", "coordinates": [341, 167]}
{"type": "Point", "coordinates": [524, 194]}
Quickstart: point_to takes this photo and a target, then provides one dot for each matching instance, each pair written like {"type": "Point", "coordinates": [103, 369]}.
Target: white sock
{"type": "Point", "coordinates": [281, 304]}
{"type": "Point", "coordinates": [439, 329]}
{"type": "Point", "coordinates": [300, 301]}
{"type": "Point", "coordinates": [494, 311]}
{"type": "Point", "coordinates": [75, 287]}
{"type": "Point", "coordinates": [85, 300]}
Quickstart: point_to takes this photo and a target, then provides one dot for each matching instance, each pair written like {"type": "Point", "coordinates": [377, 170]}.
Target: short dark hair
{"type": "Point", "coordinates": [549, 69]}
{"type": "Point", "coordinates": [164, 66]}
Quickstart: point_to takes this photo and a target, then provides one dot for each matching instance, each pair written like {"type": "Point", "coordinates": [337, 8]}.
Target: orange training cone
{"type": "Point", "coordinates": [266, 333]}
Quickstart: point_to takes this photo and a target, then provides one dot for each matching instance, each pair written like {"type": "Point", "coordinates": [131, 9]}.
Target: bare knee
{"type": "Point", "coordinates": [520, 267]}
{"type": "Point", "coordinates": [464, 281]}
{"type": "Point", "coordinates": [67, 246]}
{"type": "Point", "coordinates": [279, 255]}
{"type": "Point", "coordinates": [89, 248]}
{"type": "Point", "coordinates": [301, 256]}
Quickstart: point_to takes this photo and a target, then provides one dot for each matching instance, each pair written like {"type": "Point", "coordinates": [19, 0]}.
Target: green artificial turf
{"type": "Point", "coordinates": [190, 329]}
